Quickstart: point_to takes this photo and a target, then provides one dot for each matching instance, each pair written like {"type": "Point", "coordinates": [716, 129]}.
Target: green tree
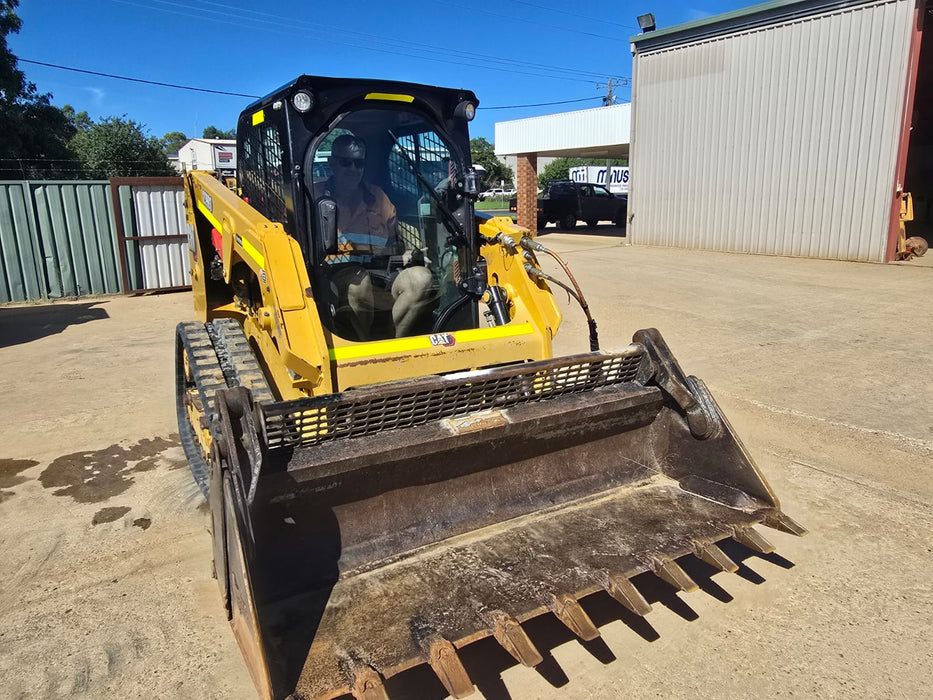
{"type": "Point", "coordinates": [483, 153]}
{"type": "Point", "coordinates": [119, 147]}
{"type": "Point", "coordinates": [558, 169]}
{"type": "Point", "coordinates": [78, 120]}
{"type": "Point", "coordinates": [172, 142]}
{"type": "Point", "coordinates": [35, 134]}
{"type": "Point", "coordinates": [212, 132]}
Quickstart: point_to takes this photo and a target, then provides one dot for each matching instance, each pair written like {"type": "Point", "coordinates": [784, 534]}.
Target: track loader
{"type": "Point", "coordinates": [397, 469]}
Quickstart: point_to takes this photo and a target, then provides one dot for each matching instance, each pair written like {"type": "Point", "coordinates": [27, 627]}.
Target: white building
{"type": "Point", "coordinates": [208, 154]}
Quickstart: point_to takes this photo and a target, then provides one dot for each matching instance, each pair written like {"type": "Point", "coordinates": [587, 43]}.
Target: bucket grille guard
{"type": "Point", "coordinates": [407, 404]}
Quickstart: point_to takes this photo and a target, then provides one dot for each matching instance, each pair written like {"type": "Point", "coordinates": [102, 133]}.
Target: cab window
{"type": "Point", "coordinates": [384, 215]}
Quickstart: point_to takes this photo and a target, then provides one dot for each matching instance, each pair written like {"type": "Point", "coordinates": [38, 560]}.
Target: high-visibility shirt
{"type": "Point", "coordinates": [365, 230]}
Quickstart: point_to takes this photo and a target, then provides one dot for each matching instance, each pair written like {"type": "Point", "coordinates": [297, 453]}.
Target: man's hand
{"type": "Point", "coordinates": [415, 257]}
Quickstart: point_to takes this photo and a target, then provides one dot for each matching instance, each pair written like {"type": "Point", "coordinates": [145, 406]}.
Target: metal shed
{"type": "Point", "coordinates": [782, 129]}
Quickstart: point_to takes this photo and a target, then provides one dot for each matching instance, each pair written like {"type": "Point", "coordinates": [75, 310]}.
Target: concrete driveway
{"type": "Point", "coordinates": [822, 367]}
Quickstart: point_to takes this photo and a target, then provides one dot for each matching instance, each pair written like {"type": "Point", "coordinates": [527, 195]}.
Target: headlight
{"type": "Point", "coordinates": [302, 101]}
{"type": "Point", "coordinates": [466, 110]}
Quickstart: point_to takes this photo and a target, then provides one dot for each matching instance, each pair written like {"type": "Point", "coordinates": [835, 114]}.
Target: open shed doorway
{"type": "Point", "coordinates": [918, 176]}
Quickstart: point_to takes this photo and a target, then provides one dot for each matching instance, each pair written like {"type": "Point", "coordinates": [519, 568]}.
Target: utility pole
{"type": "Point", "coordinates": [609, 99]}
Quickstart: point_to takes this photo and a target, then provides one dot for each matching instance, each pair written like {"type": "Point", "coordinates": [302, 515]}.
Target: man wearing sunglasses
{"type": "Point", "coordinates": [365, 217]}
{"type": "Point", "coordinates": [366, 229]}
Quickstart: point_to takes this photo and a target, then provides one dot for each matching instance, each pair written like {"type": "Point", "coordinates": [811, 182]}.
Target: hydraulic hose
{"type": "Point", "coordinates": [532, 245]}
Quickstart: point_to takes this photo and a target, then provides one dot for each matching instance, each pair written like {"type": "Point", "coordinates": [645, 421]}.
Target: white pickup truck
{"type": "Point", "coordinates": [496, 192]}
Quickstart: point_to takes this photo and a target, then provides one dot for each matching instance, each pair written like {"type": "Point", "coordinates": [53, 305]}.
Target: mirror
{"type": "Point", "coordinates": [327, 224]}
{"type": "Point", "coordinates": [471, 183]}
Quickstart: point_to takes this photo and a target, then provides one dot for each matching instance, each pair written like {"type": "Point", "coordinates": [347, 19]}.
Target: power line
{"type": "Point", "coordinates": [291, 23]}
{"type": "Point", "coordinates": [236, 94]}
{"type": "Point", "coordinates": [610, 98]}
{"type": "Point", "coordinates": [135, 80]}
{"type": "Point", "coordinates": [369, 41]}
{"type": "Point", "coordinates": [545, 104]}
{"type": "Point", "coordinates": [473, 8]}
{"type": "Point", "coordinates": [153, 170]}
{"type": "Point", "coordinates": [68, 160]}
{"type": "Point", "coordinates": [574, 14]}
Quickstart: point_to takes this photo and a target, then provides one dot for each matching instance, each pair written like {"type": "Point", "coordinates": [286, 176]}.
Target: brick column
{"type": "Point", "coordinates": [527, 187]}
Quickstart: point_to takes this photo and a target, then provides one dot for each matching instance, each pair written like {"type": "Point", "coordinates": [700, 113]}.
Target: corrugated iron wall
{"type": "Point", "coordinates": [154, 227]}
{"type": "Point", "coordinates": [62, 239]}
{"type": "Point", "coordinates": [778, 140]}
{"type": "Point", "coordinates": [56, 240]}
{"type": "Point", "coordinates": [164, 263]}
{"type": "Point", "coordinates": [21, 275]}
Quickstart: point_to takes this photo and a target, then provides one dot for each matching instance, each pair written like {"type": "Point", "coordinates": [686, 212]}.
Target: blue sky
{"type": "Point", "coordinates": [519, 52]}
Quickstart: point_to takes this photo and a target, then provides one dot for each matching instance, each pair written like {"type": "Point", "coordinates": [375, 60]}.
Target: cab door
{"type": "Point", "coordinates": [602, 203]}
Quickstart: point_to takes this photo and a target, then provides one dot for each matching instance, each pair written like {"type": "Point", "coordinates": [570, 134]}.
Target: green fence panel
{"type": "Point", "coordinates": [21, 274]}
{"type": "Point", "coordinates": [57, 239]}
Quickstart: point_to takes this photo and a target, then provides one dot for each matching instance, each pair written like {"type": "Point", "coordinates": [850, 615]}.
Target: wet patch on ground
{"type": "Point", "coordinates": [144, 523]}
{"type": "Point", "coordinates": [9, 474]}
{"type": "Point", "coordinates": [97, 475]}
{"type": "Point", "coordinates": [146, 465]}
{"type": "Point", "coordinates": [10, 470]}
{"type": "Point", "coordinates": [108, 515]}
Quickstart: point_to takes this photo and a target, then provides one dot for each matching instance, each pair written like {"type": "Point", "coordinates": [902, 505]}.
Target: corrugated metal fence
{"type": "Point", "coordinates": [74, 238]}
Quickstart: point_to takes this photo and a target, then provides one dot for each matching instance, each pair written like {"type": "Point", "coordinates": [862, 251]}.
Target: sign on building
{"type": "Point", "coordinates": [224, 157]}
{"type": "Point", "coordinates": [596, 174]}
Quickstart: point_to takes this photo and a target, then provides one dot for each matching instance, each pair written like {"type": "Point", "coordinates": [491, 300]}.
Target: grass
{"type": "Point", "coordinates": [492, 204]}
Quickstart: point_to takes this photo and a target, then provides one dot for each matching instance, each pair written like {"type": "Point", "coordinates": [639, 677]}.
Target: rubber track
{"type": "Point", "coordinates": [241, 368]}
{"type": "Point", "coordinates": [220, 357]}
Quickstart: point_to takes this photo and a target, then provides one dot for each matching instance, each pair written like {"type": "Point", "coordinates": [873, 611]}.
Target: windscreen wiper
{"type": "Point", "coordinates": [450, 222]}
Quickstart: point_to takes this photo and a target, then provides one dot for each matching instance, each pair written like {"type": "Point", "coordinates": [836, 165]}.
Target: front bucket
{"type": "Point", "coordinates": [392, 525]}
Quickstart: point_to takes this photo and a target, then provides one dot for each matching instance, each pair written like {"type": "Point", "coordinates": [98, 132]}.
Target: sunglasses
{"type": "Point", "coordinates": [347, 162]}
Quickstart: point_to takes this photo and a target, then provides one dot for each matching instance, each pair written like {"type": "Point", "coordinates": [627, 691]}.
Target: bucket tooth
{"type": "Point", "coordinates": [752, 539]}
{"type": "Point", "coordinates": [443, 659]}
{"type": "Point", "coordinates": [509, 633]}
{"type": "Point", "coordinates": [624, 591]}
{"type": "Point", "coordinates": [670, 571]}
{"type": "Point", "coordinates": [367, 684]}
{"type": "Point", "coordinates": [785, 523]}
{"type": "Point", "coordinates": [716, 558]}
{"type": "Point", "coordinates": [569, 611]}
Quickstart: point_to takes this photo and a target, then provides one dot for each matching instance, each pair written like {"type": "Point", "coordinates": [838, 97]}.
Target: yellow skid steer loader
{"type": "Point", "coordinates": [395, 463]}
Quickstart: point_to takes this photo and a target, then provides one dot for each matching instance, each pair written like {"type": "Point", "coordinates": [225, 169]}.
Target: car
{"type": "Point", "coordinates": [565, 202]}
{"type": "Point", "coordinates": [495, 193]}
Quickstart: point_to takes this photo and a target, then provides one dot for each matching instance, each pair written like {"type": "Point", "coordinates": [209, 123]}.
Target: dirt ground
{"type": "Point", "coordinates": [822, 367]}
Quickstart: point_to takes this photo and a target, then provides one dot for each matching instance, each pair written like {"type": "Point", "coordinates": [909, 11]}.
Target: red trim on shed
{"type": "Point", "coordinates": [904, 142]}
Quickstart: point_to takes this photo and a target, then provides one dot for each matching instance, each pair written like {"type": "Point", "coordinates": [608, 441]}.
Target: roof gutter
{"type": "Point", "coordinates": [739, 20]}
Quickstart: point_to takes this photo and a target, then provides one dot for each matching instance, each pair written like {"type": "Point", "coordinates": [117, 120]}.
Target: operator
{"type": "Point", "coordinates": [367, 227]}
